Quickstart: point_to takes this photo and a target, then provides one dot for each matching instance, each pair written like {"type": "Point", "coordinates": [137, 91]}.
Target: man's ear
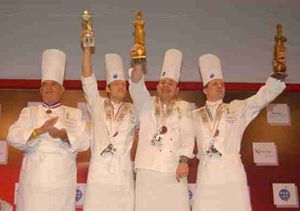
{"type": "Point", "coordinates": [41, 91]}
{"type": "Point", "coordinates": [177, 90]}
{"type": "Point", "coordinates": [107, 89]}
{"type": "Point", "coordinates": [62, 90]}
{"type": "Point", "coordinates": [205, 91]}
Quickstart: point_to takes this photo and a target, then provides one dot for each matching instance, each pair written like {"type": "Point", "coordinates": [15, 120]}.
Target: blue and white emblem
{"type": "Point", "coordinates": [79, 194]}
{"type": "Point", "coordinates": [212, 75]}
{"type": "Point", "coordinates": [284, 194]}
{"type": "Point", "coordinates": [115, 76]}
{"type": "Point", "coordinates": [190, 194]}
{"type": "Point", "coordinates": [163, 74]}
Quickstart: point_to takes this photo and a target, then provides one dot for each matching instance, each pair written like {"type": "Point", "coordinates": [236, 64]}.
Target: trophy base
{"type": "Point", "coordinates": [279, 76]}
{"type": "Point", "coordinates": [139, 61]}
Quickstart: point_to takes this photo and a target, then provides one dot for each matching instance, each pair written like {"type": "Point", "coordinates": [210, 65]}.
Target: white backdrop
{"type": "Point", "coordinates": [240, 32]}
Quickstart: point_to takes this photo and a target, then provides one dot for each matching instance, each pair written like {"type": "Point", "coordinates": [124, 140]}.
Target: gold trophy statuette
{"type": "Point", "coordinates": [279, 67]}
{"type": "Point", "coordinates": [88, 39]}
{"type": "Point", "coordinates": [139, 38]}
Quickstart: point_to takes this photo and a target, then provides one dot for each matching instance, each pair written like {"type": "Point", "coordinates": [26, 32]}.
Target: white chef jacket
{"type": "Point", "coordinates": [221, 181]}
{"type": "Point", "coordinates": [48, 173]}
{"type": "Point", "coordinates": [156, 185]}
{"type": "Point", "coordinates": [177, 141]}
{"type": "Point", "coordinates": [110, 180]}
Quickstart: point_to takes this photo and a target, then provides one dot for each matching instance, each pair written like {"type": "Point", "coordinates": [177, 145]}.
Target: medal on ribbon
{"type": "Point", "coordinates": [157, 140]}
{"type": "Point", "coordinates": [212, 151]}
{"type": "Point", "coordinates": [49, 107]}
{"type": "Point", "coordinates": [109, 150]}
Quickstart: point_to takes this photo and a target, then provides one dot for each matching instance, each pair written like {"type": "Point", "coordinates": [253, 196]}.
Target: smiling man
{"type": "Point", "coordinates": [110, 185]}
{"type": "Point", "coordinates": [51, 135]}
{"type": "Point", "coordinates": [166, 139]}
{"type": "Point", "coordinates": [221, 179]}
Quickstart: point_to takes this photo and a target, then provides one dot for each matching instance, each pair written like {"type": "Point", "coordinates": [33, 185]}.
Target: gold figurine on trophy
{"type": "Point", "coordinates": [88, 38]}
{"type": "Point", "coordinates": [139, 38]}
{"type": "Point", "coordinates": [279, 67]}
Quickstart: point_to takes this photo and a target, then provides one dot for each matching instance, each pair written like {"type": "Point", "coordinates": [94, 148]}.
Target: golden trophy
{"type": "Point", "coordinates": [139, 38]}
{"type": "Point", "coordinates": [88, 39]}
{"type": "Point", "coordinates": [279, 67]}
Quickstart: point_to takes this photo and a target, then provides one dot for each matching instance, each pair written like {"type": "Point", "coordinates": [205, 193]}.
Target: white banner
{"type": "Point", "coordinates": [3, 152]}
{"type": "Point", "coordinates": [33, 104]}
{"type": "Point", "coordinates": [285, 195]}
{"type": "Point", "coordinates": [265, 153]}
{"type": "Point", "coordinates": [278, 114]}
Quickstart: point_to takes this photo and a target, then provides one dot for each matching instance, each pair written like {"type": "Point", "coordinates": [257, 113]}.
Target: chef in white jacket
{"type": "Point", "coordinates": [51, 135]}
{"type": "Point", "coordinates": [166, 139]}
{"type": "Point", "coordinates": [221, 180]}
{"type": "Point", "coordinates": [110, 184]}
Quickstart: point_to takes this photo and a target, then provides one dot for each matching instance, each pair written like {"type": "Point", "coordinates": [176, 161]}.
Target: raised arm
{"type": "Point", "coordinates": [138, 69]}
{"type": "Point", "coordinates": [87, 63]}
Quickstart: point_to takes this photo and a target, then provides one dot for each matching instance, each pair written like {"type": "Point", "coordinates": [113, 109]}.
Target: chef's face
{"type": "Point", "coordinates": [215, 90]}
{"type": "Point", "coordinates": [167, 89]}
{"type": "Point", "coordinates": [117, 90]}
{"type": "Point", "coordinates": [51, 91]}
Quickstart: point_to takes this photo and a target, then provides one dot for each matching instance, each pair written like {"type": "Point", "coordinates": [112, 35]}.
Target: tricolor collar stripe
{"type": "Point", "coordinates": [54, 105]}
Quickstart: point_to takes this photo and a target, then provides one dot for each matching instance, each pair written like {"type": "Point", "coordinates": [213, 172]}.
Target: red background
{"type": "Point", "coordinates": [260, 179]}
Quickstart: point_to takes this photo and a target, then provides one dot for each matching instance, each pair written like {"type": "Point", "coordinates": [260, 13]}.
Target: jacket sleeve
{"type": "Point", "coordinates": [21, 130]}
{"type": "Point", "coordinates": [140, 96]}
{"type": "Point", "coordinates": [251, 107]}
{"type": "Point", "coordinates": [91, 93]}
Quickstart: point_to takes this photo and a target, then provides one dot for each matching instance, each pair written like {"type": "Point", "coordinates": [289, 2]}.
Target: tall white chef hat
{"type": "Point", "coordinates": [210, 68]}
{"type": "Point", "coordinates": [53, 65]}
{"type": "Point", "coordinates": [114, 68]}
{"type": "Point", "coordinates": [172, 65]}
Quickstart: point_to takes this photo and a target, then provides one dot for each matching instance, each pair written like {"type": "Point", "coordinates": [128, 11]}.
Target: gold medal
{"type": "Point", "coordinates": [48, 111]}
